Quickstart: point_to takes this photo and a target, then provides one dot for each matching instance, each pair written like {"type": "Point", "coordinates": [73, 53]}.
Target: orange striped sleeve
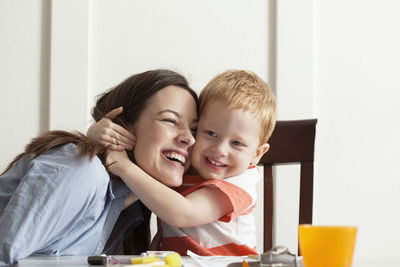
{"type": "Point", "coordinates": [183, 244]}
{"type": "Point", "coordinates": [238, 197]}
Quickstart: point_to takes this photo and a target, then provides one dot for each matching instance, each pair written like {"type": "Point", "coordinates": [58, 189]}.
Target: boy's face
{"type": "Point", "coordinates": [227, 142]}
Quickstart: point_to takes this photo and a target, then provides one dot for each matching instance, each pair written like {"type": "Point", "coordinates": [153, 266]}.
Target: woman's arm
{"type": "Point", "coordinates": [55, 197]}
{"type": "Point", "coordinates": [200, 207]}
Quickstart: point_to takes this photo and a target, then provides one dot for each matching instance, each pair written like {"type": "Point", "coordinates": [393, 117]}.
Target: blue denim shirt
{"type": "Point", "coordinates": [57, 204]}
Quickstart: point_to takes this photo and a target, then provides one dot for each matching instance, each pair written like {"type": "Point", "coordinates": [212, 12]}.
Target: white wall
{"type": "Point", "coordinates": [23, 74]}
{"type": "Point", "coordinates": [357, 94]}
{"type": "Point", "coordinates": [187, 36]}
{"type": "Point", "coordinates": [294, 91]}
{"type": "Point", "coordinates": [196, 38]}
{"type": "Point", "coordinates": [333, 60]}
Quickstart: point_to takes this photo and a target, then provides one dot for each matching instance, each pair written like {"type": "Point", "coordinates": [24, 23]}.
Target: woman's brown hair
{"type": "Point", "coordinates": [133, 95]}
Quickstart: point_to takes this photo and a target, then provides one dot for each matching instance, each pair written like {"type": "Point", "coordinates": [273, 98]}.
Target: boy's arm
{"type": "Point", "coordinates": [200, 207]}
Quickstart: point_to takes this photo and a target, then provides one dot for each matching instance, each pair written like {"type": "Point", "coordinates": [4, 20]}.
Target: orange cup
{"type": "Point", "coordinates": [327, 246]}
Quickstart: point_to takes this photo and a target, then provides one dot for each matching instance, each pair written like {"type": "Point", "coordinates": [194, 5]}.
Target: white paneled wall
{"type": "Point", "coordinates": [21, 63]}
{"type": "Point", "coordinates": [187, 36]}
{"type": "Point", "coordinates": [357, 95]}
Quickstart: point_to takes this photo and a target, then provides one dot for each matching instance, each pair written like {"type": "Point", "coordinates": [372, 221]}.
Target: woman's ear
{"type": "Point", "coordinates": [133, 138]}
{"type": "Point", "coordinates": [259, 153]}
{"type": "Point", "coordinates": [132, 129]}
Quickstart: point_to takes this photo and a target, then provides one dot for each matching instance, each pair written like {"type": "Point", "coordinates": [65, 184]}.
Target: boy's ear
{"type": "Point", "coordinates": [259, 153]}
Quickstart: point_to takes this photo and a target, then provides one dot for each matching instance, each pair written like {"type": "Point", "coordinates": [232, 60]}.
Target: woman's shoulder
{"type": "Point", "coordinates": [61, 172]}
{"type": "Point", "coordinates": [66, 161]}
{"type": "Point", "coordinates": [68, 154]}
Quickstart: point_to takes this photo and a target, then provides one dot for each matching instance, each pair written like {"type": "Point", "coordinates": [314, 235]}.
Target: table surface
{"type": "Point", "coordinates": [80, 261]}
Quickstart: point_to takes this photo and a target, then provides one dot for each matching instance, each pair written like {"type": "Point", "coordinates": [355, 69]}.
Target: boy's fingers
{"type": "Point", "coordinates": [114, 147]}
{"type": "Point", "coordinates": [114, 113]}
{"type": "Point", "coordinates": [115, 143]}
{"type": "Point", "coordinates": [123, 134]}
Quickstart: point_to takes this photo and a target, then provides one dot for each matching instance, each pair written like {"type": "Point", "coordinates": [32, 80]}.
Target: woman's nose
{"type": "Point", "coordinates": [186, 137]}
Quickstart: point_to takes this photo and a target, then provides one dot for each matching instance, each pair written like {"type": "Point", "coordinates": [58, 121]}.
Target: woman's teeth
{"type": "Point", "coordinates": [175, 157]}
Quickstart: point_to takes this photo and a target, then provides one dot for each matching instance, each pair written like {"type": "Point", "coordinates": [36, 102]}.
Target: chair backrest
{"type": "Point", "coordinates": [291, 142]}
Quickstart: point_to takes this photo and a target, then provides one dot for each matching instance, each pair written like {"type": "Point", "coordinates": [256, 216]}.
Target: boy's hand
{"type": "Point", "coordinates": [111, 135]}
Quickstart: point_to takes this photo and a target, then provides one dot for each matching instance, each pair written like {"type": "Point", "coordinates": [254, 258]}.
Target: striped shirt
{"type": "Point", "coordinates": [232, 234]}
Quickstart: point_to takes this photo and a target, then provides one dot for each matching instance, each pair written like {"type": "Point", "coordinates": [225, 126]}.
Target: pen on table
{"type": "Point", "coordinates": [104, 260]}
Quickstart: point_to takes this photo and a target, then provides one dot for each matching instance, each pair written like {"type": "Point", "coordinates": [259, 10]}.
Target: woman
{"type": "Point", "coordinates": [57, 197]}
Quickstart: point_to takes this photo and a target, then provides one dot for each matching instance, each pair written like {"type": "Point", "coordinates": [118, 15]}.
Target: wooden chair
{"type": "Point", "coordinates": [291, 142]}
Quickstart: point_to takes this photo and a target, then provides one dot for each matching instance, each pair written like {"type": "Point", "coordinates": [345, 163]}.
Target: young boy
{"type": "Point", "coordinates": [211, 215]}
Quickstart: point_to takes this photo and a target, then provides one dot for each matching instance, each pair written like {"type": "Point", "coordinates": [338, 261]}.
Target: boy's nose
{"type": "Point", "coordinates": [221, 148]}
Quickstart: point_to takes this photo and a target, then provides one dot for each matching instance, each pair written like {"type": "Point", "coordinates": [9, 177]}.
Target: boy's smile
{"type": "Point", "coordinates": [227, 142]}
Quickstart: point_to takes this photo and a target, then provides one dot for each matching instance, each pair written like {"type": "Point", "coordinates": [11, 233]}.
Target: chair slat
{"type": "Point", "coordinates": [291, 142]}
{"type": "Point", "coordinates": [306, 195]}
{"type": "Point", "coordinates": [268, 205]}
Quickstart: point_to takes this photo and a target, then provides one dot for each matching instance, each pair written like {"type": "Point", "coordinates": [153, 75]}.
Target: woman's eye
{"type": "Point", "coordinates": [194, 131]}
{"type": "Point", "coordinates": [170, 121]}
{"type": "Point", "coordinates": [211, 133]}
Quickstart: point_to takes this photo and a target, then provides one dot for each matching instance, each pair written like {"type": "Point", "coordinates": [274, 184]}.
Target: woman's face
{"type": "Point", "coordinates": [164, 135]}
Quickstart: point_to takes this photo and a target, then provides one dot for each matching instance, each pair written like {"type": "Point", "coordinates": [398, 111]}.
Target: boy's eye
{"type": "Point", "coordinates": [211, 133]}
{"type": "Point", "coordinates": [237, 143]}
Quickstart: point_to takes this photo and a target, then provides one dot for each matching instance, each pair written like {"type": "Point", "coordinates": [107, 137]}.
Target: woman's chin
{"type": "Point", "coordinates": [172, 181]}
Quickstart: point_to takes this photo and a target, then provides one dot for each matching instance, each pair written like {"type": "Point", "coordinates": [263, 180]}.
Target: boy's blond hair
{"type": "Point", "coordinates": [240, 89]}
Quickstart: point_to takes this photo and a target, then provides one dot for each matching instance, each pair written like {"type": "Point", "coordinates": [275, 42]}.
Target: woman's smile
{"type": "Point", "coordinates": [176, 157]}
{"type": "Point", "coordinates": [164, 135]}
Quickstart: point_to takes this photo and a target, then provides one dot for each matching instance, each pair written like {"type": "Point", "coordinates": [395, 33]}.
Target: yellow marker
{"type": "Point", "coordinates": [173, 260]}
{"type": "Point", "coordinates": [145, 259]}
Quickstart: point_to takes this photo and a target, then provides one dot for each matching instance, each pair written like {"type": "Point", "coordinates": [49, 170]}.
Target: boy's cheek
{"type": "Point", "coordinates": [188, 162]}
{"type": "Point", "coordinates": [195, 157]}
